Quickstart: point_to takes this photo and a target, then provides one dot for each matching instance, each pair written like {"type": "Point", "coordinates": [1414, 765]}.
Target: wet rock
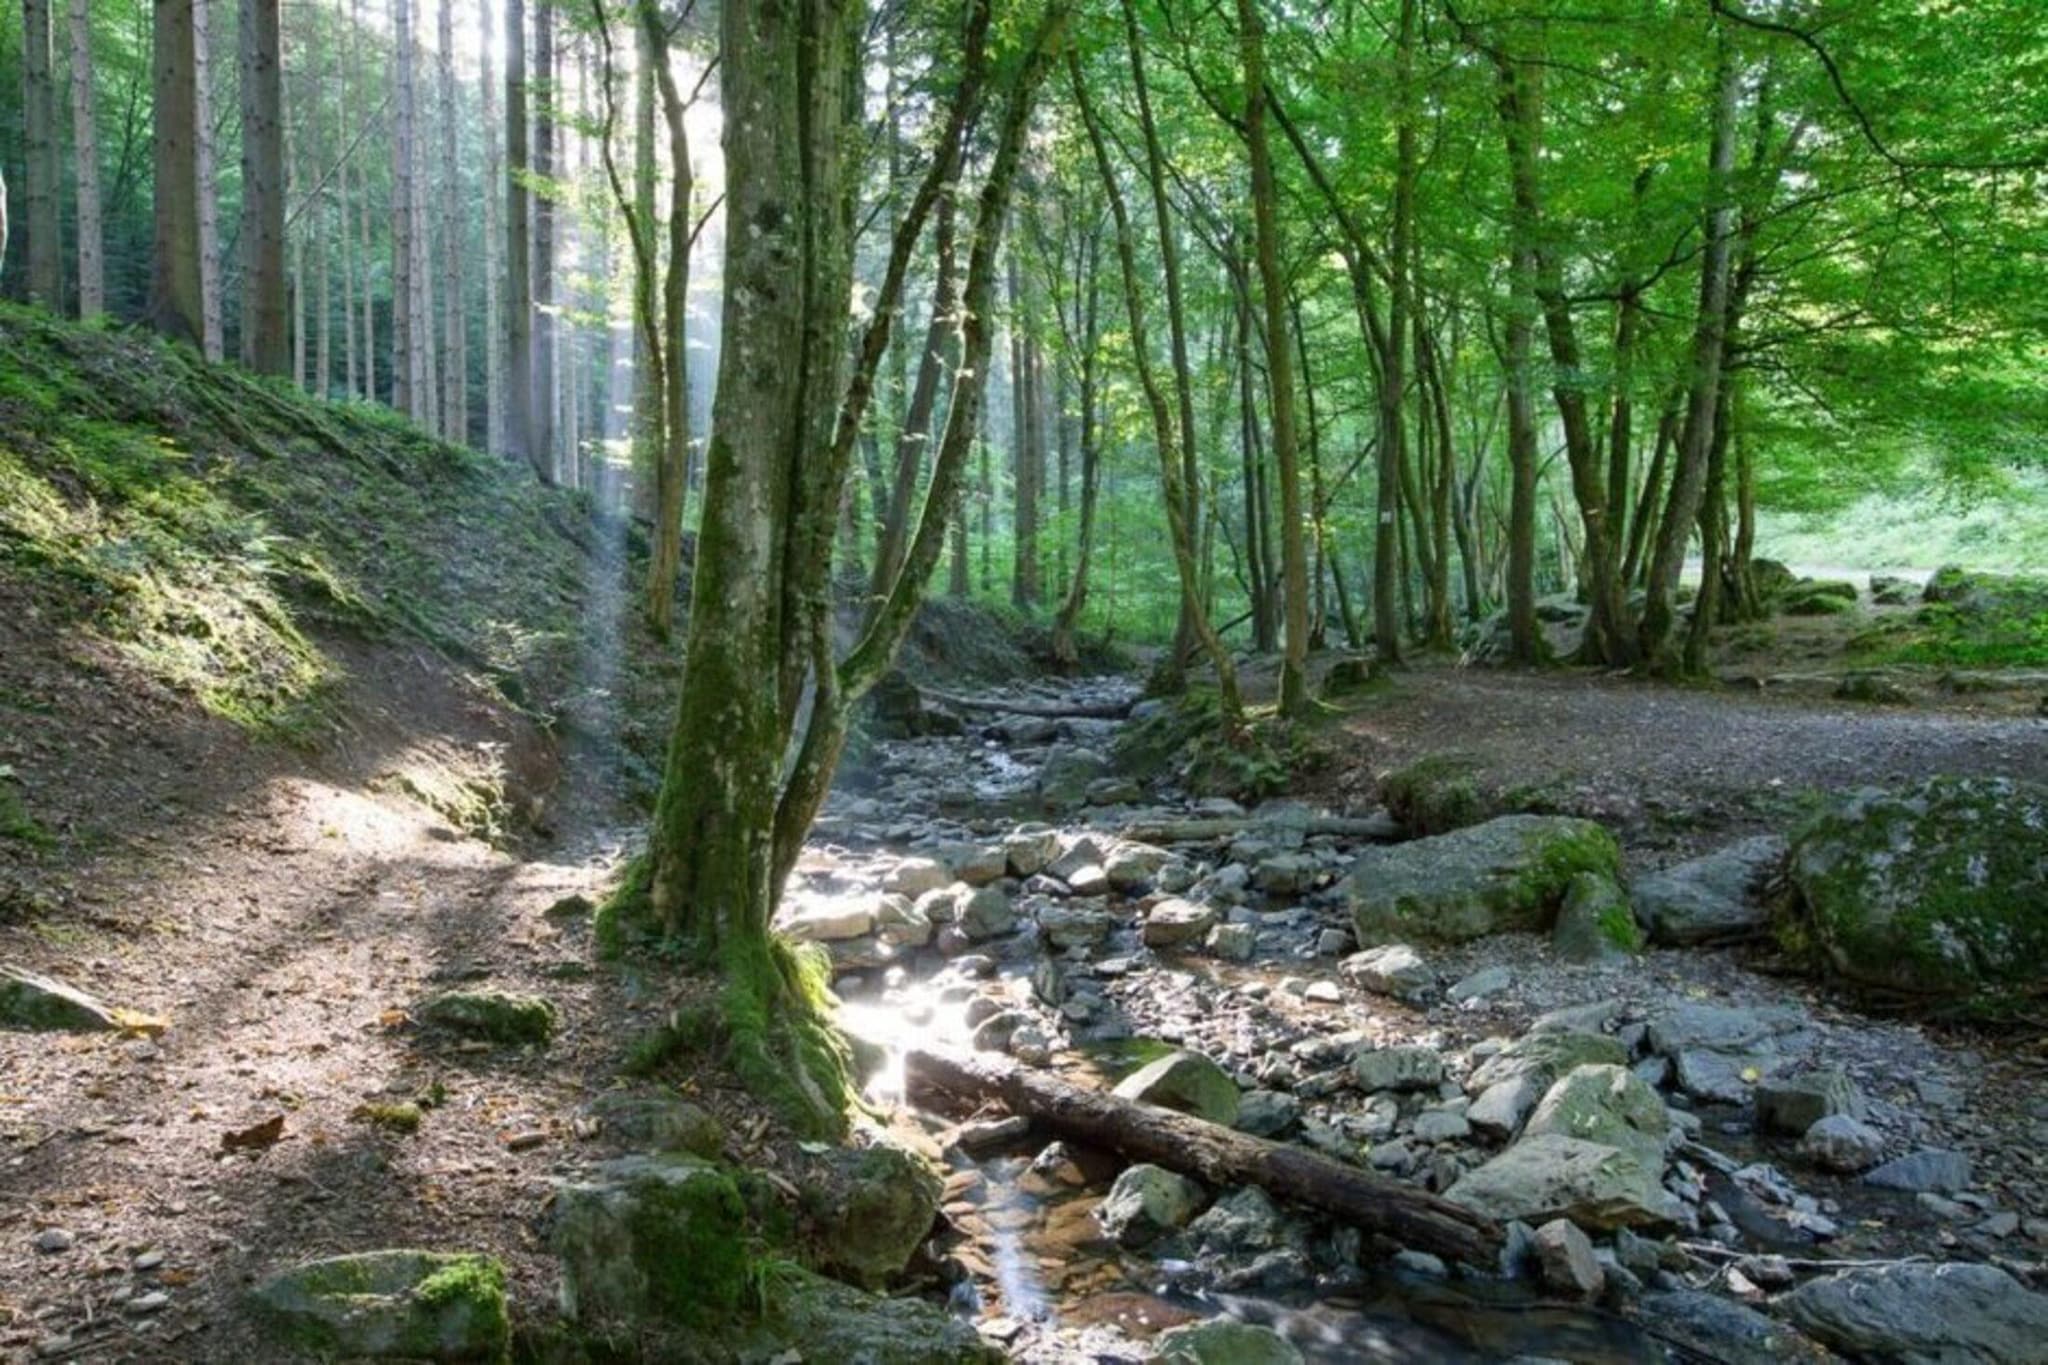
{"type": "Point", "coordinates": [1146, 1202]}
{"type": "Point", "coordinates": [1267, 1113]}
{"type": "Point", "coordinates": [1509, 873]}
{"type": "Point", "coordinates": [663, 1122]}
{"type": "Point", "coordinates": [493, 1015]}
{"type": "Point", "coordinates": [1595, 923]}
{"type": "Point", "coordinates": [1232, 942]}
{"type": "Point", "coordinates": [1028, 851]}
{"type": "Point", "coordinates": [1220, 1341]}
{"type": "Point", "coordinates": [1175, 922]}
{"type": "Point", "coordinates": [1606, 1104]}
{"type": "Point", "coordinates": [1939, 891]}
{"type": "Point", "coordinates": [1722, 1330]}
{"type": "Point", "coordinates": [1188, 1082]}
{"type": "Point", "coordinates": [1397, 1068]}
{"type": "Point", "coordinates": [1565, 1260]}
{"type": "Point", "coordinates": [416, 1305]}
{"type": "Point", "coordinates": [1239, 1223]}
{"type": "Point", "coordinates": [821, 1319]}
{"type": "Point", "coordinates": [1711, 898]}
{"type": "Point", "coordinates": [1068, 771]}
{"type": "Point", "coordinates": [30, 1001]}
{"type": "Point", "coordinates": [1839, 1142]}
{"type": "Point", "coordinates": [1555, 1176]}
{"type": "Point", "coordinates": [1794, 1104]}
{"type": "Point", "coordinates": [873, 1208]}
{"type": "Point", "coordinates": [1480, 984]}
{"type": "Point", "coordinates": [1917, 1312]}
{"type": "Point", "coordinates": [1395, 970]}
{"type": "Point", "coordinates": [1930, 1169]}
{"type": "Point", "coordinates": [913, 877]}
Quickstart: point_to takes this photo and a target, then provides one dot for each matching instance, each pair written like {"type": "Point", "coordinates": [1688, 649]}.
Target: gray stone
{"type": "Point", "coordinates": [1267, 1113]}
{"type": "Point", "coordinates": [29, 1001]}
{"type": "Point", "coordinates": [1066, 775]}
{"type": "Point", "coordinates": [1232, 942]}
{"type": "Point", "coordinates": [827, 919]}
{"type": "Point", "coordinates": [1841, 1143]}
{"type": "Point", "coordinates": [913, 877]}
{"type": "Point", "coordinates": [1722, 1028]}
{"type": "Point", "coordinates": [819, 1319]}
{"type": "Point", "coordinates": [1606, 1104]}
{"type": "Point", "coordinates": [1595, 923]}
{"type": "Point", "coordinates": [493, 1015]}
{"type": "Point", "coordinates": [1440, 1125]}
{"type": "Point", "coordinates": [664, 1122]}
{"type": "Point", "coordinates": [1502, 1106]}
{"type": "Point", "coordinates": [1397, 1068]}
{"type": "Point", "coordinates": [1285, 874]}
{"type": "Point", "coordinates": [1394, 969]}
{"type": "Point", "coordinates": [980, 864]}
{"type": "Point", "coordinates": [1145, 1202]}
{"type": "Point", "coordinates": [1028, 851]}
{"type": "Point", "coordinates": [1710, 898]}
{"type": "Point", "coordinates": [1221, 1341]}
{"type": "Point", "coordinates": [1564, 1258]}
{"type": "Point", "coordinates": [417, 1305]}
{"type": "Point", "coordinates": [983, 912]}
{"type": "Point", "coordinates": [1509, 873]}
{"type": "Point", "coordinates": [615, 1230]}
{"type": "Point", "coordinates": [1922, 1314]}
{"type": "Point", "coordinates": [1555, 1176]}
{"type": "Point", "coordinates": [1592, 1017]}
{"type": "Point", "coordinates": [1931, 1168]}
{"type": "Point", "coordinates": [1722, 1330]}
{"type": "Point", "coordinates": [1793, 1104]}
{"type": "Point", "coordinates": [1069, 927]}
{"type": "Point", "coordinates": [1186, 1081]}
{"type": "Point", "coordinates": [1133, 866]}
{"type": "Point", "coordinates": [873, 1208]}
{"type": "Point", "coordinates": [1175, 922]}
{"type": "Point", "coordinates": [1480, 984]}
{"type": "Point", "coordinates": [1241, 1222]}
{"type": "Point", "coordinates": [1545, 1057]}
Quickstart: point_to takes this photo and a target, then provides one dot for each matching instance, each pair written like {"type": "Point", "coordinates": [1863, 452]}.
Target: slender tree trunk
{"type": "Point", "coordinates": [1027, 453]}
{"type": "Point", "coordinates": [266, 330]}
{"type": "Point", "coordinates": [92, 288]}
{"type": "Point", "coordinates": [546, 400]}
{"type": "Point", "coordinates": [39, 182]}
{"type": "Point", "coordinates": [405, 368]}
{"type": "Point", "coordinates": [520, 437]}
{"type": "Point", "coordinates": [455, 343]}
{"type": "Point", "coordinates": [369, 254]}
{"type": "Point", "coordinates": [1257, 545]}
{"type": "Point", "coordinates": [938, 362]}
{"type": "Point", "coordinates": [646, 368]}
{"type": "Point", "coordinates": [209, 204]}
{"type": "Point", "coordinates": [494, 239]}
{"type": "Point", "coordinates": [343, 200]}
{"type": "Point", "coordinates": [1076, 600]}
{"type": "Point", "coordinates": [177, 306]}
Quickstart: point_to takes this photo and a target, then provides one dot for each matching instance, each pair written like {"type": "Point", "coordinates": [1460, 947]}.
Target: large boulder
{"type": "Point", "coordinates": [1712, 898]}
{"type": "Point", "coordinates": [1722, 1052]}
{"type": "Point", "coordinates": [1555, 1176]}
{"type": "Point", "coordinates": [1940, 892]}
{"type": "Point", "coordinates": [1509, 873]}
{"type": "Point", "coordinates": [873, 1209]}
{"type": "Point", "coordinates": [820, 1319]}
{"type": "Point", "coordinates": [1186, 1081]}
{"type": "Point", "coordinates": [385, 1305]}
{"type": "Point", "coordinates": [657, 1241]}
{"type": "Point", "coordinates": [1722, 1330]}
{"type": "Point", "coordinates": [1921, 1314]}
{"type": "Point", "coordinates": [1595, 923]}
{"type": "Point", "coordinates": [1609, 1105]}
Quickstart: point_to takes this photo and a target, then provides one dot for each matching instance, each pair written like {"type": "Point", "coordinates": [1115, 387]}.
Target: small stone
{"type": "Point", "coordinates": [1395, 970]}
{"type": "Point", "coordinates": [1232, 942]}
{"type": "Point", "coordinates": [1397, 1068]}
{"type": "Point", "coordinates": [153, 1302]}
{"type": "Point", "coordinates": [51, 1241]}
{"type": "Point", "coordinates": [1175, 922]}
{"type": "Point", "coordinates": [1793, 1104]}
{"type": "Point", "coordinates": [146, 1262]}
{"type": "Point", "coordinates": [1323, 993]}
{"type": "Point", "coordinates": [1502, 1106]}
{"type": "Point", "coordinates": [1332, 942]}
{"type": "Point", "coordinates": [914, 876]}
{"type": "Point", "coordinates": [1421, 1263]}
{"type": "Point", "coordinates": [1186, 1081]}
{"type": "Point", "coordinates": [1841, 1143]}
{"type": "Point", "coordinates": [1145, 1202]}
{"type": "Point", "coordinates": [1931, 1168]}
{"type": "Point", "coordinates": [1565, 1259]}
{"type": "Point", "coordinates": [1440, 1125]}
{"type": "Point", "coordinates": [1480, 984]}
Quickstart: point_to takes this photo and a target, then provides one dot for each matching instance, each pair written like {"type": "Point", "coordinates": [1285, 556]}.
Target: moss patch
{"type": "Point", "coordinates": [496, 1016]}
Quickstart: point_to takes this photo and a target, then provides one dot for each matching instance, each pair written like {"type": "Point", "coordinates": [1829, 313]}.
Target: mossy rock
{"type": "Point", "coordinates": [1818, 599]}
{"type": "Point", "coordinates": [1223, 1341]}
{"type": "Point", "coordinates": [873, 1209]}
{"type": "Point", "coordinates": [1445, 792]}
{"type": "Point", "coordinates": [651, 1242]}
{"type": "Point", "coordinates": [389, 1305]}
{"type": "Point", "coordinates": [824, 1320]}
{"type": "Point", "coordinates": [1607, 1104]}
{"type": "Point", "coordinates": [1771, 576]}
{"type": "Point", "coordinates": [664, 1122]}
{"type": "Point", "coordinates": [496, 1016]}
{"type": "Point", "coordinates": [45, 1004]}
{"type": "Point", "coordinates": [1595, 922]}
{"type": "Point", "coordinates": [1355, 676]}
{"type": "Point", "coordinates": [1511, 873]}
{"type": "Point", "coordinates": [1939, 892]}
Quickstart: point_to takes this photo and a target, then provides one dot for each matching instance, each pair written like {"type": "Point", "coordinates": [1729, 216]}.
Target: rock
{"type": "Point", "coordinates": [1186, 1081]}
{"type": "Point", "coordinates": [1793, 1104]}
{"type": "Point", "coordinates": [650, 1241]}
{"type": "Point", "coordinates": [1285, 874]}
{"type": "Point", "coordinates": [1564, 1258]}
{"type": "Point", "coordinates": [1721, 1330]}
{"type": "Point", "coordinates": [383, 1305]}
{"type": "Point", "coordinates": [982, 912]}
{"type": "Point", "coordinates": [1322, 993]}
{"type": "Point", "coordinates": [981, 864]}
{"type": "Point", "coordinates": [1869, 685]}
{"type": "Point", "coordinates": [1593, 1017]}
{"type": "Point", "coordinates": [1916, 1312]}
{"type": "Point", "coordinates": [1145, 1202]}
{"type": "Point", "coordinates": [1501, 1107]}
{"type": "Point", "coordinates": [913, 877]}
{"type": "Point", "coordinates": [1931, 1168]}
{"type": "Point", "coordinates": [1555, 1176]}
{"type": "Point", "coordinates": [1114, 791]}
{"type": "Point", "coordinates": [827, 919]}
{"type": "Point", "coordinates": [1395, 970]}
{"type": "Point", "coordinates": [873, 1208]}
{"type": "Point", "coordinates": [1221, 1341]}
{"type": "Point", "coordinates": [1175, 922]}
{"type": "Point", "coordinates": [1232, 942]}
{"type": "Point", "coordinates": [1029, 851]}
{"type": "Point", "coordinates": [43, 1003]}
{"type": "Point", "coordinates": [1839, 1142]}
{"type": "Point", "coordinates": [1543, 1057]}
{"type": "Point", "coordinates": [1438, 794]}
{"type": "Point", "coordinates": [1064, 779]}
{"type": "Point", "coordinates": [1077, 856]}
{"type": "Point", "coordinates": [819, 1319]}
{"type": "Point", "coordinates": [1440, 1125]}
{"type": "Point", "coordinates": [1332, 942]}
{"type": "Point", "coordinates": [1509, 873]}
{"type": "Point", "coordinates": [900, 924]}
{"type": "Point", "coordinates": [52, 1241]}
{"type": "Point", "coordinates": [1397, 1068]}
{"type": "Point", "coordinates": [1711, 898]}
{"type": "Point", "coordinates": [666, 1123]}
{"type": "Point", "coordinates": [1940, 892]}
{"type": "Point", "coordinates": [498, 1016]}
{"type": "Point", "coordinates": [1721, 1028]}
{"type": "Point", "coordinates": [1243, 1221]}
{"type": "Point", "coordinates": [980, 1136]}
{"type": "Point", "coordinates": [1606, 1104]}
{"type": "Point", "coordinates": [1267, 1113]}
{"type": "Point", "coordinates": [1133, 866]}
{"type": "Point", "coordinates": [1480, 984]}
{"type": "Point", "coordinates": [1067, 927]}
{"type": "Point", "coordinates": [1595, 923]}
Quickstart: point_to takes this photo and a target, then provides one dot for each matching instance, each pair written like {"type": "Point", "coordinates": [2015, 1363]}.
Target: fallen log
{"type": "Point", "coordinates": [1210, 1152]}
{"type": "Point", "coordinates": [1017, 706]}
{"type": "Point", "coordinates": [1381, 828]}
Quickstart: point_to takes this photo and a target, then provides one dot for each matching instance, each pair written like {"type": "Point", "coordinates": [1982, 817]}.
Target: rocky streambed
{"type": "Point", "coordinates": [1691, 1160]}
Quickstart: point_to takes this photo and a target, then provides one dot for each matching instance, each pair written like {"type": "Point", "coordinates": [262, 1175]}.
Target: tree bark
{"type": "Point", "coordinates": [1218, 1156]}
{"type": "Point", "coordinates": [494, 240]}
{"type": "Point", "coordinates": [455, 339]}
{"type": "Point", "coordinates": [1076, 600]}
{"type": "Point", "coordinates": [177, 306]}
{"type": "Point", "coordinates": [405, 364]}
{"type": "Point", "coordinates": [209, 205]}
{"type": "Point", "coordinates": [266, 331]}
{"type": "Point", "coordinates": [520, 437]}
{"type": "Point", "coordinates": [92, 286]}
{"type": "Point", "coordinates": [545, 402]}
{"type": "Point", "coordinates": [40, 158]}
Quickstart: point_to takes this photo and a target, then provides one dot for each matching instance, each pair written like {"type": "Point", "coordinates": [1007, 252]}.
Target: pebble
{"type": "Point", "coordinates": [1323, 993]}
{"type": "Point", "coordinates": [50, 1241]}
{"type": "Point", "coordinates": [147, 1261]}
{"type": "Point", "coordinates": [153, 1302]}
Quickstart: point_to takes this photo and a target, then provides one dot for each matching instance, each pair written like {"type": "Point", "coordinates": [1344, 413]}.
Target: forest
{"type": "Point", "coordinates": [1023, 680]}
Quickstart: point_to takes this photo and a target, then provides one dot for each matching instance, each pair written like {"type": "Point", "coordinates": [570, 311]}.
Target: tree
{"type": "Point", "coordinates": [494, 240]}
{"type": "Point", "coordinates": [520, 437]}
{"type": "Point", "coordinates": [455, 339]}
{"type": "Point", "coordinates": [39, 100]}
{"type": "Point", "coordinates": [177, 305]}
{"type": "Point", "coordinates": [545, 402]}
{"type": "Point", "coordinates": [92, 286]}
{"type": "Point", "coordinates": [266, 330]}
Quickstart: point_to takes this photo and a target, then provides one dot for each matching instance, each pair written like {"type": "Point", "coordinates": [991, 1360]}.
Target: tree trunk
{"type": "Point", "coordinates": [1076, 600]}
{"type": "Point", "coordinates": [404, 339]}
{"type": "Point", "coordinates": [1221, 1157]}
{"type": "Point", "coordinates": [520, 437]}
{"type": "Point", "coordinates": [177, 306]}
{"type": "Point", "coordinates": [938, 362]}
{"type": "Point", "coordinates": [494, 240]}
{"type": "Point", "coordinates": [455, 342]}
{"type": "Point", "coordinates": [266, 331]}
{"type": "Point", "coordinates": [92, 287]}
{"type": "Point", "coordinates": [546, 401]}
{"type": "Point", "coordinates": [209, 204]}
{"type": "Point", "coordinates": [40, 159]}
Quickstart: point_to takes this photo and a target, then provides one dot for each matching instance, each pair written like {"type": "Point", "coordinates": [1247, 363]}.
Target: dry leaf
{"type": "Point", "coordinates": [255, 1137]}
